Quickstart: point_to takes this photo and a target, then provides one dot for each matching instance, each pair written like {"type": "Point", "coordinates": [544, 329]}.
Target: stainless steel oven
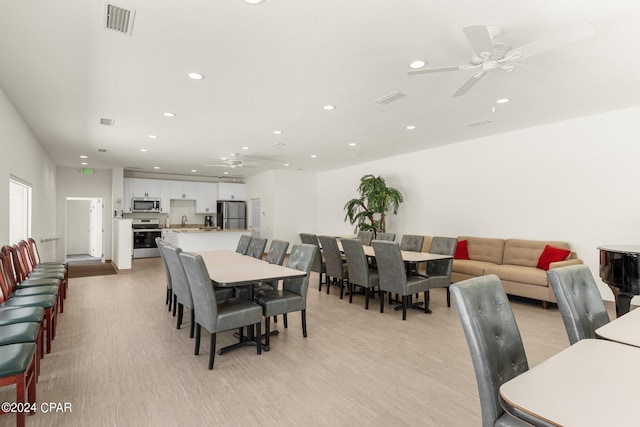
{"type": "Point", "coordinates": [145, 232]}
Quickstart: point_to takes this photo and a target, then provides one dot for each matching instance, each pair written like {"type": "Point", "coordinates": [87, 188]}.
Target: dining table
{"type": "Point", "coordinates": [624, 329]}
{"type": "Point", "coordinates": [232, 269]}
{"type": "Point", "coordinates": [584, 385]}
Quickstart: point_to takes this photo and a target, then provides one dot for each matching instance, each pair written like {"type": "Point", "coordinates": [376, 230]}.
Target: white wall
{"type": "Point", "coordinates": [71, 183]}
{"type": "Point", "coordinates": [573, 181]}
{"type": "Point", "coordinates": [288, 202]}
{"type": "Point", "coordinates": [25, 158]}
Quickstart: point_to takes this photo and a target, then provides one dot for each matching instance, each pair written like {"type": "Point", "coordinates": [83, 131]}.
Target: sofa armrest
{"type": "Point", "coordinates": [565, 263]}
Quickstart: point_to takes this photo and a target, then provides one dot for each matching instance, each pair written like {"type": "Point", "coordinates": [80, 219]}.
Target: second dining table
{"type": "Point", "coordinates": [232, 269]}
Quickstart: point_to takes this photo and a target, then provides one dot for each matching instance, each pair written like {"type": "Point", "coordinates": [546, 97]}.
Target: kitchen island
{"type": "Point", "coordinates": [201, 239]}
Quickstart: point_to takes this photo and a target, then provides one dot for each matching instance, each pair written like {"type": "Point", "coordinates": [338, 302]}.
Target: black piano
{"type": "Point", "coordinates": [620, 269]}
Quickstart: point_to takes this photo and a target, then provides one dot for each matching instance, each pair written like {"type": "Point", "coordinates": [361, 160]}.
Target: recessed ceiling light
{"type": "Point", "coordinates": [84, 163]}
{"type": "Point", "coordinates": [245, 148]}
{"type": "Point", "coordinates": [287, 164]}
{"type": "Point", "coordinates": [196, 76]}
{"type": "Point", "coordinates": [353, 144]}
{"type": "Point", "coordinates": [411, 127]}
{"type": "Point", "coordinates": [153, 136]}
{"type": "Point", "coordinates": [193, 171]}
{"type": "Point", "coordinates": [84, 157]}
{"type": "Point", "coordinates": [277, 132]}
{"type": "Point", "coordinates": [254, 2]}
{"type": "Point", "coordinates": [502, 101]}
{"type": "Point", "coordinates": [223, 158]}
{"type": "Point", "coordinates": [417, 64]}
{"type": "Point", "coordinates": [313, 156]}
{"type": "Point", "coordinates": [144, 150]}
{"type": "Point", "coordinates": [225, 173]}
{"type": "Point", "coordinates": [156, 167]}
{"type": "Point", "coordinates": [168, 114]}
{"type": "Point", "coordinates": [329, 107]}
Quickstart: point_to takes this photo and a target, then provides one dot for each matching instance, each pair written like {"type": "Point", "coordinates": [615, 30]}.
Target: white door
{"type": "Point", "coordinates": [95, 228]}
{"type": "Point", "coordinates": [255, 216]}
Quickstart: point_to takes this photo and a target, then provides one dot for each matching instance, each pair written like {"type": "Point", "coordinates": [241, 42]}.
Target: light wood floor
{"type": "Point", "coordinates": [119, 360]}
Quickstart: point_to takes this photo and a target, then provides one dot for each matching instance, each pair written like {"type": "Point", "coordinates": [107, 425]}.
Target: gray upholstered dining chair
{"type": "Point", "coordinates": [213, 315]}
{"type": "Point", "coordinates": [243, 244]}
{"type": "Point", "coordinates": [256, 247]}
{"type": "Point", "coordinates": [494, 341]}
{"type": "Point", "coordinates": [411, 242]}
{"type": "Point", "coordinates": [439, 271]}
{"type": "Point", "coordinates": [181, 287]}
{"type": "Point", "coordinates": [393, 276]}
{"type": "Point", "coordinates": [365, 237]}
{"type": "Point", "coordinates": [579, 301]}
{"type": "Point", "coordinates": [389, 237]}
{"type": "Point", "coordinates": [170, 296]}
{"type": "Point", "coordinates": [360, 274]}
{"type": "Point", "coordinates": [336, 269]}
{"type": "Point", "coordinates": [319, 265]}
{"type": "Point", "coordinates": [293, 295]}
{"type": "Point", "coordinates": [275, 255]}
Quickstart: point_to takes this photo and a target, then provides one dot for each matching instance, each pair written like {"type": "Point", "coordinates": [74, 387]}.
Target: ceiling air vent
{"type": "Point", "coordinates": [119, 19]}
{"type": "Point", "coordinates": [277, 145]}
{"type": "Point", "coordinates": [483, 122]}
{"type": "Point", "coordinates": [387, 99]}
{"type": "Point", "coordinates": [107, 122]}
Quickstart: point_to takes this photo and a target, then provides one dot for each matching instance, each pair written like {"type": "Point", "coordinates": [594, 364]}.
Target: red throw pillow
{"type": "Point", "coordinates": [551, 254]}
{"type": "Point", "coordinates": [461, 250]}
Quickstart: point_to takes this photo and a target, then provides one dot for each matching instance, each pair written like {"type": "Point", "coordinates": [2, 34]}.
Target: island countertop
{"type": "Point", "coordinates": [197, 239]}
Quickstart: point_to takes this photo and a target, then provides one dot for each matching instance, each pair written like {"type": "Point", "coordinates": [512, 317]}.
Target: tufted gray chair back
{"type": "Point", "coordinates": [332, 257]}
{"type": "Point", "coordinates": [356, 262]}
{"type": "Point", "coordinates": [411, 242]}
{"type": "Point", "coordinates": [365, 237]}
{"type": "Point", "coordinates": [579, 301]}
{"type": "Point", "coordinates": [256, 247]}
{"type": "Point", "coordinates": [442, 267]}
{"type": "Point", "coordinates": [389, 237]}
{"type": "Point", "coordinates": [494, 341]}
{"type": "Point", "coordinates": [312, 239]}
{"type": "Point", "coordinates": [160, 243]}
{"type": "Point", "coordinates": [178, 276]}
{"type": "Point", "coordinates": [277, 251]}
{"type": "Point", "coordinates": [391, 269]}
{"type": "Point", "coordinates": [243, 244]}
{"type": "Point", "coordinates": [206, 305]}
{"type": "Point", "coordinates": [301, 258]}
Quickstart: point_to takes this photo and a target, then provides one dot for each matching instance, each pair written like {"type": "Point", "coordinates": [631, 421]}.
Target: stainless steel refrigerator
{"type": "Point", "coordinates": [232, 215]}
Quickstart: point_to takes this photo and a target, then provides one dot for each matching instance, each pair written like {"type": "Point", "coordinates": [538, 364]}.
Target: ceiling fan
{"type": "Point", "coordinates": [490, 55]}
{"type": "Point", "coordinates": [233, 161]}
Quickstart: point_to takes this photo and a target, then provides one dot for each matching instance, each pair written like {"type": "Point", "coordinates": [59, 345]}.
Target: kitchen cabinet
{"type": "Point", "coordinates": [231, 191]}
{"type": "Point", "coordinates": [182, 190]}
{"type": "Point", "coordinates": [206, 197]}
{"type": "Point", "coordinates": [145, 188]}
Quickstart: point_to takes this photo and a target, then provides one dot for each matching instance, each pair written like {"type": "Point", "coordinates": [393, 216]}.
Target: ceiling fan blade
{"type": "Point", "coordinates": [554, 41]}
{"type": "Point", "coordinates": [435, 70]}
{"type": "Point", "coordinates": [471, 82]}
{"type": "Point", "coordinates": [480, 40]}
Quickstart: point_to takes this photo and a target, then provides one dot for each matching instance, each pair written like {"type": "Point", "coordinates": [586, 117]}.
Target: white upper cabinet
{"type": "Point", "coordinates": [232, 191]}
{"type": "Point", "coordinates": [182, 190]}
{"type": "Point", "coordinates": [206, 197]}
{"type": "Point", "coordinates": [141, 187]}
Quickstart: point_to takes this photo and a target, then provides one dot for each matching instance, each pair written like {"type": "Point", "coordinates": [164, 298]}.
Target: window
{"type": "Point", "coordinates": [19, 210]}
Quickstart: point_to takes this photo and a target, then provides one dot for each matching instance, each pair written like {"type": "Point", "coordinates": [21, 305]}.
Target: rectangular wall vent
{"type": "Point", "coordinates": [119, 19]}
{"type": "Point", "coordinates": [484, 122]}
{"type": "Point", "coordinates": [107, 122]}
{"type": "Point", "coordinates": [387, 99]}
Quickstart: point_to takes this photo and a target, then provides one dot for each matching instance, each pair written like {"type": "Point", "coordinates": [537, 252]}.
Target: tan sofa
{"type": "Point", "coordinates": [514, 261]}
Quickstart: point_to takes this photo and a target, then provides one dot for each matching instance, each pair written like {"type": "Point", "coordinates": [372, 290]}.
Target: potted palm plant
{"type": "Point", "coordinates": [368, 212]}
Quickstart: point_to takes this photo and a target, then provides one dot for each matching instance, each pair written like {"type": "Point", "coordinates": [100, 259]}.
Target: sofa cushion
{"type": "Point", "coordinates": [470, 266]}
{"type": "Point", "coordinates": [462, 252]}
{"type": "Point", "coordinates": [551, 254]}
{"type": "Point", "coordinates": [485, 249]}
{"type": "Point", "coordinates": [526, 252]}
{"type": "Point", "coordinates": [519, 273]}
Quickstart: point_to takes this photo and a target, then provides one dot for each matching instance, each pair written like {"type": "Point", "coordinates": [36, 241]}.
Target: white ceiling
{"type": "Point", "coordinates": [274, 66]}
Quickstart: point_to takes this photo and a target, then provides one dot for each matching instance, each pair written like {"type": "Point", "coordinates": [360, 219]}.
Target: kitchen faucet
{"type": "Point", "coordinates": [184, 220]}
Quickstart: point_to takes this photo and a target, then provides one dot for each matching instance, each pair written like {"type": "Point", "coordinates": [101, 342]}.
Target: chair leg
{"type": "Point", "coordinates": [381, 302]}
{"type": "Point", "coordinates": [168, 297]}
{"type": "Point", "coordinates": [179, 316]}
{"type": "Point", "coordinates": [350, 292]}
{"type": "Point", "coordinates": [448, 297]}
{"type": "Point", "coordinates": [404, 307]}
{"type": "Point", "coordinates": [426, 301]}
{"type": "Point", "coordinates": [197, 348]}
{"type": "Point", "coordinates": [193, 323]}
{"type": "Point", "coordinates": [175, 303]}
{"type": "Point", "coordinates": [21, 380]}
{"type": "Point", "coordinates": [328, 283]}
{"type": "Point", "coordinates": [47, 317]}
{"type": "Point", "coordinates": [341, 284]}
{"type": "Point", "coordinates": [275, 319]}
{"type": "Point", "coordinates": [267, 329]}
{"type": "Point", "coordinates": [258, 337]}
{"type": "Point", "coordinates": [284, 318]}
{"type": "Point", "coordinates": [366, 298]}
{"type": "Point", "coordinates": [212, 352]}
{"type": "Point", "coordinates": [303, 314]}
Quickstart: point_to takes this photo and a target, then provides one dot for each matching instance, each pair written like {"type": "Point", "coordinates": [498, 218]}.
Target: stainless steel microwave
{"type": "Point", "coordinates": [145, 205]}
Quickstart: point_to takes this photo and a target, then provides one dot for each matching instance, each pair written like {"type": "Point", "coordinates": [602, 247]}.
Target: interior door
{"type": "Point", "coordinates": [95, 228]}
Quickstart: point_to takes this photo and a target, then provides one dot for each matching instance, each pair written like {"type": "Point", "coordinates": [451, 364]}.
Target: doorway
{"type": "Point", "coordinates": [83, 242]}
